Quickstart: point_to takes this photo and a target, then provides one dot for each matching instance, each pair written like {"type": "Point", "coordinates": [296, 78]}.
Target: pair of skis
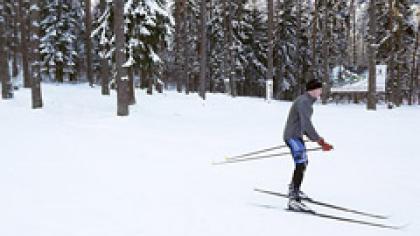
{"type": "Point", "coordinates": [254, 156]}
{"type": "Point", "coordinates": [338, 218]}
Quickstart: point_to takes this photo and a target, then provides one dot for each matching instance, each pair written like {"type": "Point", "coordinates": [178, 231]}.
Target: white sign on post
{"type": "Point", "coordinates": [268, 89]}
{"type": "Point", "coordinates": [381, 77]}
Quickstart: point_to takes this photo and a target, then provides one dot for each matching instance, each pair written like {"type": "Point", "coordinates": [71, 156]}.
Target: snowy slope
{"type": "Point", "coordinates": [75, 168]}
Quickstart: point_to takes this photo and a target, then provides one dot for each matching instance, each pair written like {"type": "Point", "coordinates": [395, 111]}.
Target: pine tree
{"type": "Point", "coordinates": [286, 51]}
{"type": "Point", "coordinates": [80, 45]}
{"type": "Point", "coordinates": [255, 50]}
{"type": "Point", "coordinates": [304, 50]}
{"type": "Point", "coordinates": [147, 26]}
{"type": "Point", "coordinates": [405, 38]}
{"type": "Point", "coordinates": [340, 28]}
{"type": "Point", "coordinates": [238, 47]}
{"type": "Point", "coordinates": [394, 40]}
{"type": "Point", "coordinates": [331, 27]}
{"type": "Point", "coordinates": [102, 42]}
{"type": "Point", "coordinates": [190, 45]}
{"type": "Point", "coordinates": [147, 36]}
{"type": "Point", "coordinates": [58, 43]}
{"type": "Point", "coordinates": [239, 61]}
{"type": "Point", "coordinates": [216, 34]}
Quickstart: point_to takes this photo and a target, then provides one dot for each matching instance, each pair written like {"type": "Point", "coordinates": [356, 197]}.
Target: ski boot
{"type": "Point", "coordinates": [296, 193]}
{"type": "Point", "coordinates": [298, 206]}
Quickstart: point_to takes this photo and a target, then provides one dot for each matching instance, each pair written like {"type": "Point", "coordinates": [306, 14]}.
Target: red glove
{"type": "Point", "coordinates": [325, 146]}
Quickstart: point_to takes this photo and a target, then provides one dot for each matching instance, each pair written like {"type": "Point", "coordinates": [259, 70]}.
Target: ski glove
{"type": "Point", "coordinates": [325, 146]}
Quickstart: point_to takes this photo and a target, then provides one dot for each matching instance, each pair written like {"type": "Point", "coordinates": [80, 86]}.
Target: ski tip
{"type": "Point", "coordinates": [221, 163]}
{"type": "Point", "coordinates": [218, 163]}
{"type": "Point", "coordinates": [261, 190]}
{"type": "Point", "coordinates": [395, 227]}
{"type": "Point", "coordinates": [400, 227]}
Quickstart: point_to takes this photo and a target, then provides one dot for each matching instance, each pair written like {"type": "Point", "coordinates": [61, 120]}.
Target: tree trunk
{"type": "Point", "coordinates": [179, 11]}
{"type": "Point", "coordinates": [362, 60]}
{"type": "Point", "coordinates": [36, 55]}
{"type": "Point", "coordinates": [371, 104]}
{"type": "Point", "coordinates": [398, 97]}
{"type": "Point", "coordinates": [59, 74]}
{"type": "Point", "coordinates": [301, 67]}
{"type": "Point", "coordinates": [122, 78]}
{"type": "Point", "coordinates": [104, 77]}
{"type": "Point", "coordinates": [354, 5]}
{"type": "Point", "coordinates": [225, 73]}
{"type": "Point", "coordinates": [232, 66]}
{"type": "Point", "coordinates": [203, 50]}
{"type": "Point", "coordinates": [143, 78]}
{"type": "Point", "coordinates": [413, 68]}
{"type": "Point", "coordinates": [15, 69]}
{"type": "Point", "coordinates": [418, 82]}
{"type": "Point", "coordinates": [28, 34]}
{"type": "Point", "coordinates": [397, 91]}
{"type": "Point", "coordinates": [227, 43]}
{"type": "Point", "coordinates": [314, 36]}
{"type": "Point", "coordinates": [186, 71]}
{"type": "Point", "coordinates": [24, 45]}
{"type": "Point", "coordinates": [88, 23]}
{"type": "Point", "coordinates": [132, 96]}
{"type": "Point", "coordinates": [104, 71]}
{"type": "Point", "coordinates": [390, 85]}
{"type": "Point", "coordinates": [6, 83]}
{"type": "Point", "coordinates": [325, 54]}
{"type": "Point", "coordinates": [149, 84]}
{"type": "Point", "coordinates": [270, 33]}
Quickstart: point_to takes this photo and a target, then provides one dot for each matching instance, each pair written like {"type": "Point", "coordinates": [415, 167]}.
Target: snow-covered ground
{"type": "Point", "coordinates": [76, 169]}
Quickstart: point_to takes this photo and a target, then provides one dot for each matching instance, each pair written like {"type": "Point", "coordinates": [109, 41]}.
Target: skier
{"type": "Point", "coordinates": [298, 124]}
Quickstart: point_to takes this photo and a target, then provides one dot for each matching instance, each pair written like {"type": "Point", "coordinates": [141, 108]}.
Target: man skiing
{"type": "Point", "coordinates": [298, 124]}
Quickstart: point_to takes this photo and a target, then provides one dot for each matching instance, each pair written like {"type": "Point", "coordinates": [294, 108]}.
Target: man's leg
{"type": "Point", "coordinates": [298, 150]}
{"type": "Point", "coordinates": [298, 175]}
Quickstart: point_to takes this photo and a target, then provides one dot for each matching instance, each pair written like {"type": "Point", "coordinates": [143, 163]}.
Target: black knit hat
{"type": "Point", "coordinates": [313, 84]}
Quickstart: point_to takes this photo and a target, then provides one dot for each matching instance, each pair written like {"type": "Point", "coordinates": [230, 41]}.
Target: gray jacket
{"type": "Point", "coordinates": [299, 121]}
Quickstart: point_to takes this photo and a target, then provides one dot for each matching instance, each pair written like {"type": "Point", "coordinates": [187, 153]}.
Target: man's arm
{"type": "Point", "coordinates": [305, 112]}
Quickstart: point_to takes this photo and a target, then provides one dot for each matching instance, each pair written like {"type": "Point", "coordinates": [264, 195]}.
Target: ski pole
{"type": "Point", "coordinates": [256, 152]}
{"type": "Point", "coordinates": [261, 157]}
